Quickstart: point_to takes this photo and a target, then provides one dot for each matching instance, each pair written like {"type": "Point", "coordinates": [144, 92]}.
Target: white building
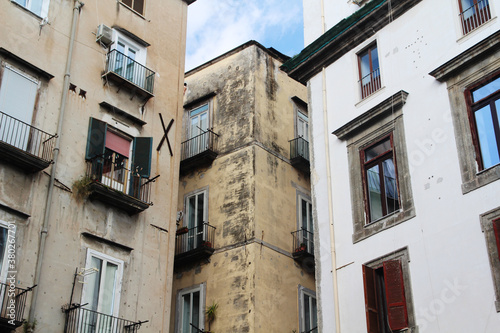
{"type": "Point", "coordinates": [404, 109]}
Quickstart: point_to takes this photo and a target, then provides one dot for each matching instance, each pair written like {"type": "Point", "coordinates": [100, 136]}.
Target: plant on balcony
{"type": "Point", "coordinates": [29, 327]}
{"type": "Point", "coordinates": [182, 230]}
{"type": "Point", "coordinates": [206, 244]}
{"type": "Point", "coordinates": [302, 247]}
{"type": "Point", "coordinates": [81, 188]}
{"type": "Point", "coordinates": [211, 313]}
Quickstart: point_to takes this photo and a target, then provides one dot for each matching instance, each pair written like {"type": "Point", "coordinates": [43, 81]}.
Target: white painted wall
{"type": "Point", "coordinates": [451, 279]}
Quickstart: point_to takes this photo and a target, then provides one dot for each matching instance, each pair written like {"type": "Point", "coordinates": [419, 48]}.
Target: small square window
{"type": "Point", "coordinates": [369, 71]}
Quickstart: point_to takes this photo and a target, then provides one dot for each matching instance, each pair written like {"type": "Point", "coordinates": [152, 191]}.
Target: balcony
{"type": "Point", "coordinates": [25, 146]}
{"type": "Point", "coordinates": [299, 154]}
{"type": "Point", "coordinates": [474, 16]}
{"type": "Point", "coordinates": [114, 184]}
{"type": "Point", "coordinates": [303, 248]}
{"type": "Point", "coordinates": [80, 320]}
{"type": "Point", "coordinates": [199, 150]}
{"type": "Point", "coordinates": [370, 83]}
{"type": "Point", "coordinates": [12, 305]}
{"type": "Point", "coordinates": [194, 244]}
{"type": "Point", "coordinates": [130, 74]}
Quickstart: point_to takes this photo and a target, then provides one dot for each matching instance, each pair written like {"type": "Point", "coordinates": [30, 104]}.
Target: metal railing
{"type": "Point", "coordinates": [199, 144]}
{"type": "Point", "coordinates": [81, 320]}
{"type": "Point", "coordinates": [13, 301]}
{"type": "Point", "coordinates": [26, 137]}
{"type": "Point", "coordinates": [299, 147]}
{"type": "Point", "coordinates": [188, 239]}
{"type": "Point", "coordinates": [312, 330]}
{"type": "Point", "coordinates": [303, 241]}
{"type": "Point", "coordinates": [474, 16]}
{"type": "Point", "coordinates": [103, 170]}
{"type": "Point", "coordinates": [130, 70]}
{"type": "Point", "coordinates": [370, 83]}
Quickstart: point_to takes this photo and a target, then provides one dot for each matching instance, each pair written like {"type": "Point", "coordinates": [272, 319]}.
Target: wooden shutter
{"type": "Point", "coordinates": [496, 229]}
{"type": "Point", "coordinates": [395, 295]}
{"type": "Point", "coordinates": [96, 139]}
{"type": "Point", "coordinates": [141, 156]}
{"type": "Point", "coordinates": [371, 308]}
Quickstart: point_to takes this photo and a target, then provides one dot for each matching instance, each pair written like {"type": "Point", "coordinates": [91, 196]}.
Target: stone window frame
{"type": "Point", "coordinates": [486, 221]}
{"type": "Point", "coordinates": [368, 128]}
{"type": "Point", "coordinates": [403, 256]}
{"type": "Point", "coordinates": [461, 73]}
{"type": "Point", "coordinates": [202, 288]}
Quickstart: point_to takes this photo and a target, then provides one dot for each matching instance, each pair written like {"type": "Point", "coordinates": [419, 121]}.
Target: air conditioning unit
{"type": "Point", "coordinates": [104, 34]}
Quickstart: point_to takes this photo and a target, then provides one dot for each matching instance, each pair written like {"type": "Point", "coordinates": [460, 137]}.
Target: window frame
{"type": "Point", "coordinates": [375, 83]}
{"type": "Point", "coordinates": [401, 255]}
{"type": "Point", "coordinates": [472, 107]}
{"type": "Point", "coordinates": [44, 7]}
{"type": "Point", "coordinates": [196, 233]}
{"type": "Point", "coordinates": [178, 306]}
{"type": "Point", "coordinates": [302, 291]}
{"type": "Point", "coordinates": [465, 26]}
{"type": "Point", "coordinates": [132, 5]}
{"type": "Point", "coordinates": [119, 278]}
{"type": "Point", "coordinates": [309, 242]}
{"type": "Point", "coordinates": [492, 239]}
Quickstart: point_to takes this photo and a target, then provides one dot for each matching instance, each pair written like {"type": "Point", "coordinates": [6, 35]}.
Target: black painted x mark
{"type": "Point", "coordinates": [165, 135]}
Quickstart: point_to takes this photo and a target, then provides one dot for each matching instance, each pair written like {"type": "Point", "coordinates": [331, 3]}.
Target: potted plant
{"type": "Point", "coordinates": [211, 313]}
{"type": "Point", "coordinates": [206, 244]}
{"type": "Point", "coordinates": [302, 247]}
{"type": "Point", "coordinates": [182, 230]}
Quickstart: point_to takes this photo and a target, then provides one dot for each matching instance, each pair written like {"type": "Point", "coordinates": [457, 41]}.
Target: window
{"type": "Point", "coordinates": [101, 290]}
{"type": "Point", "coordinates": [305, 219]}
{"type": "Point", "coordinates": [38, 7]}
{"type": "Point", "coordinates": [379, 172]}
{"type": "Point", "coordinates": [490, 225]}
{"type": "Point", "coordinates": [118, 160]}
{"type": "Point", "coordinates": [369, 71]}
{"type": "Point", "coordinates": [381, 195]}
{"type": "Point", "coordinates": [308, 310]}
{"type": "Point", "coordinates": [4, 244]}
{"type": "Point", "coordinates": [137, 5]}
{"type": "Point", "coordinates": [196, 215]}
{"type": "Point", "coordinates": [473, 13]}
{"type": "Point", "coordinates": [198, 126]}
{"type": "Point", "coordinates": [190, 312]}
{"type": "Point", "coordinates": [484, 104]}
{"type": "Point", "coordinates": [388, 300]}
{"type": "Point", "coordinates": [18, 93]}
{"type": "Point", "coordinates": [302, 134]}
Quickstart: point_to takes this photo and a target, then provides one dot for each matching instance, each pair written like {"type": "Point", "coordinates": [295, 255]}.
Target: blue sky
{"type": "Point", "coordinates": [217, 26]}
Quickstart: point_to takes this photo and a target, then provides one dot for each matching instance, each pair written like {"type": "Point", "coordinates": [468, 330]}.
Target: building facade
{"type": "Point", "coordinates": [90, 130]}
{"type": "Point", "coordinates": [403, 105]}
{"type": "Point", "coordinates": [245, 234]}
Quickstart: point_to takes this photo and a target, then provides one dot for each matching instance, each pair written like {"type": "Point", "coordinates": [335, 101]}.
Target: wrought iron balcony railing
{"type": "Point", "coordinates": [204, 142]}
{"type": "Point", "coordinates": [122, 183]}
{"type": "Point", "coordinates": [312, 330]}
{"type": "Point", "coordinates": [130, 70]}
{"type": "Point", "coordinates": [26, 138]}
{"type": "Point", "coordinates": [474, 16]}
{"type": "Point", "coordinates": [370, 83]}
{"type": "Point", "coordinates": [189, 239]}
{"type": "Point", "coordinates": [299, 147]}
{"type": "Point", "coordinates": [81, 320]}
{"type": "Point", "coordinates": [303, 242]}
{"type": "Point", "coordinates": [12, 304]}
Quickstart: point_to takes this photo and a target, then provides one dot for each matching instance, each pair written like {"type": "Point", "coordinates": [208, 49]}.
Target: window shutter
{"type": "Point", "coordinates": [496, 229]}
{"type": "Point", "coordinates": [96, 139]}
{"type": "Point", "coordinates": [141, 156]}
{"type": "Point", "coordinates": [395, 295]}
{"type": "Point", "coordinates": [371, 308]}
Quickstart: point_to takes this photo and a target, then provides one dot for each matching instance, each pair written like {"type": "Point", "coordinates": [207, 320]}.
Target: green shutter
{"type": "Point", "coordinates": [96, 139]}
{"type": "Point", "coordinates": [141, 156]}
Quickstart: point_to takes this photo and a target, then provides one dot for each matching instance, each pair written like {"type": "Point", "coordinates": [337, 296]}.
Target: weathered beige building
{"type": "Point", "coordinates": [244, 199]}
{"type": "Point", "coordinates": [84, 92]}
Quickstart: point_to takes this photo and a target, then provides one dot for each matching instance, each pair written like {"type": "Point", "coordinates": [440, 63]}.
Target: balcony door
{"type": "Point", "coordinates": [198, 126]}
{"type": "Point", "coordinates": [196, 214]}
{"type": "Point", "coordinates": [116, 161]}
{"type": "Point", "coordinates": [101, 292]}
{"type": "Point", "coordinates": [306, 223]}
{"type": "Point", "coordinates": [130, 59]}
{"type": "Point", "coordinates": [18, 93]}
{"type": "Point", "coordinates": [303, 132]}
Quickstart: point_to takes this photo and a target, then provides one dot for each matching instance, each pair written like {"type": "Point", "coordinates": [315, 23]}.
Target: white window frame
{"type": "Point", "coordinates": [302, 320]}
{"type": "Point", "coordinates": [5, 265]}
{"type": "Point", "coordinates": [105, 258]}
{"type": "Point", "coordinates": [141, 51]}
{"type": "Point", "coordinates": [43, 11]}
{"type": "Point", "coordinates": [178, 308]}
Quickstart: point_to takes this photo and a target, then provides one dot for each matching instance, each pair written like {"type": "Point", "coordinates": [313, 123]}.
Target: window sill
{"type": "Point", "coordinates": [481, 179]}
{"type": "Point", "coordinates": [133, 11]}
{"type": "Point", "coordinates": [368, 98]}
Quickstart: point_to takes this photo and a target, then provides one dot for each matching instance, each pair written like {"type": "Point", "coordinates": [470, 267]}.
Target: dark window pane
{"type": "Point", "coordinates": [486, 135]}
{"type": "Point", "coordinates": [139, 6]}
{"type": "Point", "coordinates": [377, 149]}
{"type": "Point", "coordinates": [374, 193]}
{"type": "Point", "coordinates": [391, 188]}
{"type": "Point", "coordinates": [127, 2]}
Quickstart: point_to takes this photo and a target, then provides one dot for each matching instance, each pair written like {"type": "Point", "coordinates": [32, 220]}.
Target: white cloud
{"type": "Point", "coordinates": [217, 26]}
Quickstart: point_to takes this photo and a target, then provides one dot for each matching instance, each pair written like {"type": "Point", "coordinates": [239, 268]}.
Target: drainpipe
{"type": "Point", "coordinates": [333, 253]}
{"type": "Point", "coordinates": [48, 205]}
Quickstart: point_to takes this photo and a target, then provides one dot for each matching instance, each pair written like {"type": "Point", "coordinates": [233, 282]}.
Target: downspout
{"type": "Point", "coordinates": [333, 253]}
{"type": "Point", "coordinates": [48, 205]}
